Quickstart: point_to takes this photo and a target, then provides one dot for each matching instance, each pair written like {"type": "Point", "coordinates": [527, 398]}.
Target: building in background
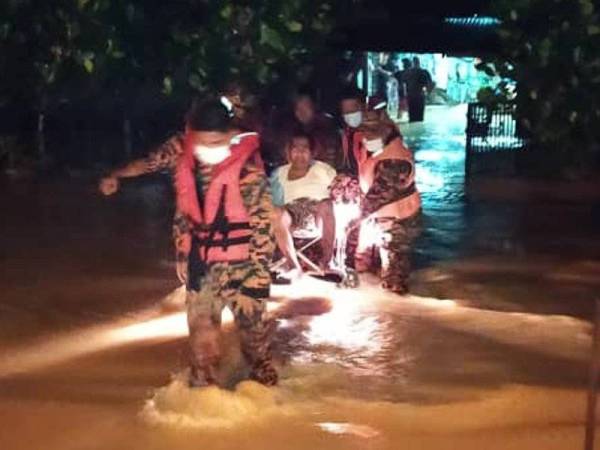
{"type": "Point", "coordinates": [456, 79]}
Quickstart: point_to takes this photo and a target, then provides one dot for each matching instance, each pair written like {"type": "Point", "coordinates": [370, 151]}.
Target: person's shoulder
{"type": "Point", "coordinates": [279, 173]}
{"type": "Point", "coordinates": [251, 172]}
{"type": "Point", "coordinates": [174, 140]}
{"type": "Point", "coordinates": [169, 149]}
{"type": "Point", "coordinates": [245, 137]}
{"type": "Point", "coordinates": [323, 167]}
{"type": "Point", "coordinates": [281, 170]}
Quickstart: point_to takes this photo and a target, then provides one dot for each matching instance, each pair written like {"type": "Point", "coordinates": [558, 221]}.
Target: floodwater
{"type": "Point", "coordinates": [490, 350]}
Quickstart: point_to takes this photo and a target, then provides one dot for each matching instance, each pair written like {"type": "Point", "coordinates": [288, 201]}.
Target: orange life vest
{"type": "Point", "coordinates": [222, 223]}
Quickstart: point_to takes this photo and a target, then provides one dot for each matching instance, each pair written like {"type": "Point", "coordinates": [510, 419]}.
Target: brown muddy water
{"type": "Point", "coordinates": [490, 350]}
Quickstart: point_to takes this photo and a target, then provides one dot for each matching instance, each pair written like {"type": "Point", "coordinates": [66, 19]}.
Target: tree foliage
{"type": "Point", "coordinates": [551, 48]}
{"type": "Point", "coordinates": [120, 46]}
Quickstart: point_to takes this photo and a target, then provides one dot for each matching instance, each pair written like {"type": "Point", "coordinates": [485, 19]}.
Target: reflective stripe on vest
{"type": "Point", "coordinates": [222, 239]}
{"type": "Point", "coordinates": [227, 233]}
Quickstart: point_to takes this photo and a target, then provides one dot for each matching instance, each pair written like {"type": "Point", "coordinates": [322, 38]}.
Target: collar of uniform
{"type": "Point", "coordinates": [238, 137]}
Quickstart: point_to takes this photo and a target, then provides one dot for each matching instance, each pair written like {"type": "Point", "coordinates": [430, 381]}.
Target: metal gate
{"type": "Point", "coordinates": [493, 141]}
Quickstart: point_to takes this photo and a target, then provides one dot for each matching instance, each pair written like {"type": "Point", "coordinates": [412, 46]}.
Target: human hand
{"type": "Point", "coordinates": [109, 185]}
{"type": "Point", "coordinates": [182, 271]}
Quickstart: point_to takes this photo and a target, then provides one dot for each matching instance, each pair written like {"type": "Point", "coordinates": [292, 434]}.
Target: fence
{"type": "Point", "coordinates": [493, 140]}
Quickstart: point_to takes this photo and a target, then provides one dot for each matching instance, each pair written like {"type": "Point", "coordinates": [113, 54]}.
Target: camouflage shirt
{"type": "Point", "coordinates": [256, 194]}
{"type": "Point", "coordinates": [166, 155]}
{"type": "Point", "coordinates": [390, 184]}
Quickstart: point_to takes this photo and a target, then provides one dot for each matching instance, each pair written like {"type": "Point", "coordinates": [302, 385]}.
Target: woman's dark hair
{"type": "Point", "coordinates": [208, 115]}
{"type": "Point", "coordinates": [351, 92]}
{"type": "Point", "coordinates": [300, 134]}
{"type": "Point", "coordinates": [304, 92]}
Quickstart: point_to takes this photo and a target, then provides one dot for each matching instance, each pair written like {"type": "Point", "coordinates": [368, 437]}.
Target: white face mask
{"type": "Point", "coordinates": [212, 155]}
{"type": "Point", "coordinates": [353, 119]}
{"type": "Point", "coordinates": [374, 145]}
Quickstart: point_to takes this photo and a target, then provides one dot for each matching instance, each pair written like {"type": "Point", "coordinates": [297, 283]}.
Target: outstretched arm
{"type": "Point", "coordinates": [163, 158]}
{"type": "Point", "coordinates": [109, 184]}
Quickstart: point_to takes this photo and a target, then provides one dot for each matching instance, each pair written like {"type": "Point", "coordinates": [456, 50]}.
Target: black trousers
{"type": "Point", "coordinates": [416, 108]}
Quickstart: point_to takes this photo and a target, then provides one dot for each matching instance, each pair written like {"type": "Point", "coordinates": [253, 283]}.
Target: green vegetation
{"type": "Point", "coordinates": [551, 48]}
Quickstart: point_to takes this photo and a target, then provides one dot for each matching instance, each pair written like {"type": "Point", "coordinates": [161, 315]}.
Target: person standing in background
{"type": "Point", "coordinates": [400, 76]}
{"type": "Point", "coordinates": [418, 84]}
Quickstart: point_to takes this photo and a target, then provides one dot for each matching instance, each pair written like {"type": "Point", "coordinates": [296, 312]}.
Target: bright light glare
{"type": "Point", "coordinates": [370, 235]}
{"type": "Point", "coordinates": [344, 213]}
{"type": "Point", "coordinates": [348, 331]}
{"type": "Point", "coordinates": [437, 155]}
{"type": "Point", "coordinates": [171, 326]}
{"type": "Point", "coordinates": [101, 337]}
{"type": "Point", "coordinates": [362, 431]}
{"type": "Point", "coordinates": [346, 325]}
{"type": "Point", "coordinates": [436, 303]}
{"type": "Point", "coordinates": [506, 142]}
{"type": "Point", "coordinates": [429, 155]}
{"type": "Point", "coordinates": [427, 181]}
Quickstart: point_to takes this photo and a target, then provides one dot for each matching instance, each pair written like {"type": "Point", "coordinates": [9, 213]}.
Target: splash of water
{"type": "Point", "coordinates": [178, 406]}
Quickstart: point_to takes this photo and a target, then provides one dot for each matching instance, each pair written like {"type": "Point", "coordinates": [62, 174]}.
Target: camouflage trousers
{"type": "Point", "coordinates": [243, 287]}
{"type": "Point", "coordinates": [390, 241]}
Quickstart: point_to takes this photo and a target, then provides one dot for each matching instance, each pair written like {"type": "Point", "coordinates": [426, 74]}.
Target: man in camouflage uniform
{"type": "Point", "coordinates": [391, 205]}
{"type": "Point", "coordinates": [224, 241]}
